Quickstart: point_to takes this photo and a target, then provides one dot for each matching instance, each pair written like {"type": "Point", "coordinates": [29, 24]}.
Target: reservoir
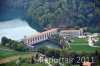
{"type": "Point", "coordinates": [15, 29]}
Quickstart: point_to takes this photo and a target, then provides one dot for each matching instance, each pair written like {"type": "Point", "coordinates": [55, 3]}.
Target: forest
{"type": "Point", "coordinates": [59, 13]}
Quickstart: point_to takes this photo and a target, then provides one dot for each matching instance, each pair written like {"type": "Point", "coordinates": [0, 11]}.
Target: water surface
{"type": "Point", "coordinates": [16, 29]}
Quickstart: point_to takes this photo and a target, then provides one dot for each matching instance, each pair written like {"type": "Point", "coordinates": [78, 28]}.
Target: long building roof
{"type": "Point", "coordinates": [70, 30]}
{"type": "Point", "coordinates": [41, 33]}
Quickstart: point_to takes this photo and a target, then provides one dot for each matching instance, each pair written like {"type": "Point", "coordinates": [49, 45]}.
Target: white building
{"type": "Point", "coordinates": [71, 33]}
{"type": "Point", "coordinates": [36, 38]}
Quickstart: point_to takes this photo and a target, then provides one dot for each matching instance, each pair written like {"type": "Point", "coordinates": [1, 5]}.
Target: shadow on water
{"type": "Point", "coordinates": [49, 44]}
{"type": "Point", "coordinates": [10, 14]}
{"type": "Point", "coordinates": [34, 25]}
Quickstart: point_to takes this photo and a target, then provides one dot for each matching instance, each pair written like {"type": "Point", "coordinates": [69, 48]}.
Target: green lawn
{"type": "Point", "coordinates": [81, 45]}
{"type": "Point", "coordinates": [84, 48]}
{"type": "Point", "coordinates": [6, 52]}
{"type": "Point", "coordinates": [79, 40]}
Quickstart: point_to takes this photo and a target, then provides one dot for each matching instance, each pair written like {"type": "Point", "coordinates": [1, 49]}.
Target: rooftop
{"type": "Point", "coordinates": [70, 30]}
{"type": "Point", "coordinates": [41, 33]}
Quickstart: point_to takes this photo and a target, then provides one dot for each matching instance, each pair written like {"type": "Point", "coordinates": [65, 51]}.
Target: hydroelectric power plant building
{"type": "Point", "coordinates": [71, 33]}
{"type": "Point", "coordinates": [36, 38]}
{"type": "Point", "coordinates": [42, 36]}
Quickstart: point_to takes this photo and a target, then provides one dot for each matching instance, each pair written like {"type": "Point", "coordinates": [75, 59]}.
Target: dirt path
{"type": "Point", "coordinates": [14, 58]}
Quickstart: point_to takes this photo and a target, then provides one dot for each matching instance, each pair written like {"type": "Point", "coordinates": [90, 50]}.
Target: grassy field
{"type": "Point", "coordinates": [84, 48]}
{"type": "Point", "coordinates": [24, 62]}
{"type": "Point", "coordinates": [79, 40]}
{"type": "Point", "coordinates": [6, 52]}
{"type": "Point", "coordinates": [81, 45]}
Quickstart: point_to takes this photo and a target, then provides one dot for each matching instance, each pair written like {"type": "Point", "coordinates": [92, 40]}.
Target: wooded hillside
{"type": "Point", "coordinates": [59, 13]}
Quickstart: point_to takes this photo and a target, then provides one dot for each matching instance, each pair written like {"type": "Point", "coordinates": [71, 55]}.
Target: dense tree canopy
{"type": "Point", "coordinates": [60, 13]}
